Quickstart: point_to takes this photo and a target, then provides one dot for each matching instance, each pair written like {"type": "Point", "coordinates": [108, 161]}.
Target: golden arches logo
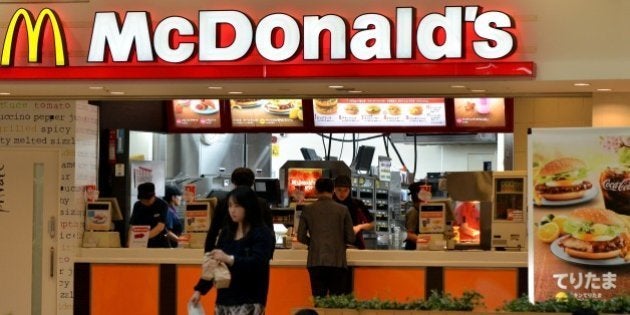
{"type": "Point", "coordinates": [34, 36]}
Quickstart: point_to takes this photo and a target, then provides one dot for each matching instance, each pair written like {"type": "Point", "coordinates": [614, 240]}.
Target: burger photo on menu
{"type": "Point", "coordinates": [372, 109]}
{"type": "Point", "coordinates": [325, 106]}
{"type": "Point", "coordinates": [416, 110]}
{"type": "Point", "coordinates": [245, 103]}
{"type": "Point", "coordinates": [279, 107]}
{"type": "Point", "coordinates": [563, 181]}
{"type": "Point", "coordinates": [589, 236]}
{"type": "Point", "coordinates": [351, 109]}
{"type": "Point", "coordinates": [393, 110]}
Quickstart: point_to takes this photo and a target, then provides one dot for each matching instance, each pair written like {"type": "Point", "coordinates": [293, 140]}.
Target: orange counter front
{"type": "Point", "coordinates": [160, 281]}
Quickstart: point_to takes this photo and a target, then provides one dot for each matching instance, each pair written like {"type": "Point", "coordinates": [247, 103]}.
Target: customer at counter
{"type": "Point", "coordinates": [245, 244]}
{"type": "Point", "coordinates": [173, 197]}
{"type": "Point", "coordinates": [412, 217]}
{"type": "Point", "coordinates": [152, 211]}
{"type": "Point", "coordinates": [326, 227]}
{"type": "Point", "coordinates": [241, 177]}
{"type": "Point", "coordinates": [362, 219]}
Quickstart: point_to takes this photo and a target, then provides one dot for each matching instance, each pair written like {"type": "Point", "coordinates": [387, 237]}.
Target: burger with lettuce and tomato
{"type": "Point", "coordinates": [563, 179]}
{"type": "Point", "coordinates": [595, 234]}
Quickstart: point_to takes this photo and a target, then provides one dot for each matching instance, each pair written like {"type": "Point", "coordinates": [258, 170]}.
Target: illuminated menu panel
{"type": "Point", "coordinates": [375, 112]}
{"type": "Point", "coordinates": [197, 113]}
{"type": "Point", "coordinates": [479, 112]}
{"type": "Point", "coordinates": [262, 113]}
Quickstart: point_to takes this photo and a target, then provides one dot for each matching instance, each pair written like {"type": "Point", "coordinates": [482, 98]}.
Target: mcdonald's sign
{"type": "Point", "coordinates": [35, 33]}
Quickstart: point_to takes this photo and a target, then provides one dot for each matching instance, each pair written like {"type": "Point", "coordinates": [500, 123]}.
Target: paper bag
{"type": "Point", "coordinates": [222, 276]}
{"type": "Point", "coordinates": [207, 267]}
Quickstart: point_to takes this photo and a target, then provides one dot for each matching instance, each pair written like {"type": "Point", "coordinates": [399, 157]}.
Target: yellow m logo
{"type": "Point", "coordinates": [35, 36]}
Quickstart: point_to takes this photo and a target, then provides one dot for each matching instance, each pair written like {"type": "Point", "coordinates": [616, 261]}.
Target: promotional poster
{"type": "Point", "coordinates": [579, 228]}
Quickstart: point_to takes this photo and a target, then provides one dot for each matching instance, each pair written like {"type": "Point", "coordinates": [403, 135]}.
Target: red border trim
{"type": "Point", "coordinates": [280, 71]}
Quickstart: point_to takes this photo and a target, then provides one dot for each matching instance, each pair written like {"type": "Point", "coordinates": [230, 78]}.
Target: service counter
{"type": "Point", "coordinates": [160, 281]}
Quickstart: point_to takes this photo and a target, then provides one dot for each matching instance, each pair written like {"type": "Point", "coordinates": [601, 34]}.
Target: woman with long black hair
{"type": "Point", "coordinates": [245, 244]}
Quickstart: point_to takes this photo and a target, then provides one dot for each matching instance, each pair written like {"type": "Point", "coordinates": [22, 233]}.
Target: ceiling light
{"type": "Point", "coordinates": [215, 88]}
{"type": "Point", "coordinates": [477, 91]}
{"type": "Point", "coordinates": [581, 84]}
{"type": "Point", "coordinates": [355, 91]}
{"type": "Point", "coordinates": [96, 88]}
{"type": "Point", "coordinates": [117, 93]}
{"type": "Point", "coordinates": [5, 93]}
{"type": "Point", "coordinates": [458, 86]}
{"type": "Point", "coordinates": [604, 90]}
{"type": "Point", "coordinates": [336, 86]}
{"type": "Point", "coordinates": [235, 92]}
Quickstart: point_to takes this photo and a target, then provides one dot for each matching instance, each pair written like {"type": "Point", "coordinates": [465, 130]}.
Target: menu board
{"type": "Point", "coordinates": [197, 113]}
{"type": "Point", "coordinates": [379, 112]}
{"type": "Point", "coordinates": [479, 112]}
{"type": "Point", "coordinates": [261, 113]}
{"type": "Point", "coordinates": [301, 183]}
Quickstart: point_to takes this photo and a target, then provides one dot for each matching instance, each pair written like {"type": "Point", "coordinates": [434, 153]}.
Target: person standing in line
{"type": "Point", "coordinates": [173, 197]}
{"type": "Point", "coordinates": [152, 211]}
{"type": "Point", "coordinates": [326, 227]}
{"type": "Point", "coordinates": [362, 219]}
{"type": "Point", "coordinates": [412, 217]}
{"type": "Point", "coordinates": [245, 177]}
{"type": "Point", "coordinates": [245, 244]}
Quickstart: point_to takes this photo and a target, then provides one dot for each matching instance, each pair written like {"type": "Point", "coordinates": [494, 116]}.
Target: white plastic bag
{"type": "Point", "coordinates": [195, 309]}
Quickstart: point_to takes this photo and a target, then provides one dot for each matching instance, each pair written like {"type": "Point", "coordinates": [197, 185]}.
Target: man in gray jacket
{"type": "Point", "coordinates": [326, 227]}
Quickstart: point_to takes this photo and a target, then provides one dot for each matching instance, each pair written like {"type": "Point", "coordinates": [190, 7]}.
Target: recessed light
{"type": "Point", "coordinates": [355, 91]}
{"type": "Point", "coordinates": [336, 86]}
{"type": "Point", "coordinates": [458, 86]}
{"type": "Point", "coordinates": [604, 90]}
{"type": "Point", "coordinates": [477, 91]}
{"type": "Point", "coordinates": [581, 84]}
{"type": "Point", "coordinates": [215, 88]}
{"type": "Point", "coordinates": [5, 93]}
{"type": "Point", "coordinates": [117, 93]}
{"type": "Point", "coordinates": [235, 92]}
{"type": "Point", "coordinates": [95, 87]}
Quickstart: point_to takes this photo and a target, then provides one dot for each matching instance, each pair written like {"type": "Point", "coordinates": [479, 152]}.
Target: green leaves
{"type": "Point", "coordinates": [615, 305]}
{"type": "Point", "coordinates": [436, 301]}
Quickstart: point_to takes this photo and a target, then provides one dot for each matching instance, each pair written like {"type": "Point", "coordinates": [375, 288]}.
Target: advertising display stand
{"type": "Point", "coordinates": [197, 219]}
{"type": "Point", "coordinates": [99, 227]}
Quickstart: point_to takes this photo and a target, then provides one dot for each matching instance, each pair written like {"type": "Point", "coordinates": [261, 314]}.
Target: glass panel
{"type": "Point", "coordinates": [38, 230]}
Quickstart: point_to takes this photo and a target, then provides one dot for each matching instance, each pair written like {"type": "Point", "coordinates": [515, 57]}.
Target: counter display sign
{"type": "Point", "coordinates": [480, 112]}
{"type": "Point", "coordinates": [379, 112]}
{"type": "Point", "coordinates": [197, 114]}
{"type": "Point", "coordinates": [263, 113]}
{"type": "Point", "coordinates": [580, 223]}
{"type": "Point", "coordinates": [301, 183]}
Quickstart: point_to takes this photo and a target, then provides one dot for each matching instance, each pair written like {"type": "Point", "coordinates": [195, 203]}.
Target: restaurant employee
{"type": "Point", "coordinates": [152, 211]}
{"type": "Point", "coordinates": [362, 219]}
{"type": "Point", "coordinates": [412, 217]}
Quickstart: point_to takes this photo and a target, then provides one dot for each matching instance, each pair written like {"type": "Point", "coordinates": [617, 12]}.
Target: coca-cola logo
{"type": "Point", "coordinates": [623, 185]}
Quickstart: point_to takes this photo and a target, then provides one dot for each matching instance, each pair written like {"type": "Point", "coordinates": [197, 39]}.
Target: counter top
{"type": "Point", "coordinates": [297, 257]}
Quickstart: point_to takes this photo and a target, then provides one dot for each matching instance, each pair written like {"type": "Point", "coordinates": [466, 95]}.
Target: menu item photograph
{"type": "Point", "coordinates": [205, 107]}
{"type": "Point", "coordinates": [393, 110]}
{"type": "Point", "coordinates": [259, 113]}
{"type": "Point", "coordinates": [564, 179]}
{"type": "Point", "coordinates": [372, 109]}
{"type": "Point", "coordinates": [479, 112]}
{"type": "Point", "coordinates": [351, 109]}
{"type": "Point", "coordinates": [325, 106]}
{"type": "Point", "coordinates": [416, 110]}
{"type": "Point", "coordinates": [594, 233]}
{"type": "Point", "coordinates": [195, 114]}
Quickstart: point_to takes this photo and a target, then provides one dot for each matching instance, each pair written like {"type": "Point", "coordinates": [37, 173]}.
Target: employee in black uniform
{"type": "Point", "coordinates": [152, 211]}
{"type": "Point", "coordinates": [362, 219]}
{"type": "Point", "coordinates": [412, 217]}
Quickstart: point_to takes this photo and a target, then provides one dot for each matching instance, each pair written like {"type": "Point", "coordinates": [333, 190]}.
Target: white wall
{"type": "Point", "coordinates": [431, 158]}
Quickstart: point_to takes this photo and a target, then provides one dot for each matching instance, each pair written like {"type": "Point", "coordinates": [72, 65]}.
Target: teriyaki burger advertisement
{"type": "Point", "coordinates": [579, 181]}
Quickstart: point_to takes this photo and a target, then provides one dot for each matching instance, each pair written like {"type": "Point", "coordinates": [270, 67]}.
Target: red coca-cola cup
{"type": "Point", "coordinates": [615, 185]}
